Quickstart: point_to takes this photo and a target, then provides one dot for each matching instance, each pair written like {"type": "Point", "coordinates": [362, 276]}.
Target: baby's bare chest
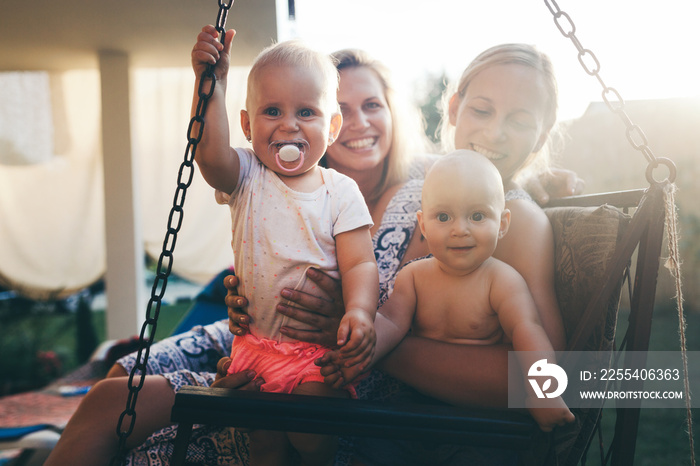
{"type": "Point", "coordinates": [453, 313]}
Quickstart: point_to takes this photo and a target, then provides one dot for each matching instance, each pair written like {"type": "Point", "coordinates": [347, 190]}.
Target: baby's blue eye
{"type": "Point", "coordinates": [478, 216]}
{"type": "Point", "coordinates": [306, 113]}
{"type": "Point", "coordinates": [272, 111]}
{"type": "Point", "coordinates": [443, 217]}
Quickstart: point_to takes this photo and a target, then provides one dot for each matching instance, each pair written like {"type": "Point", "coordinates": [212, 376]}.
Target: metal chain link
{"type": "Point", "coordinates": [611, 96]}
{"type": "Point", "coordinates": [195, 131]}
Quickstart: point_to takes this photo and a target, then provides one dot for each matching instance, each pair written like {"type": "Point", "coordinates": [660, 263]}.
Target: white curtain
{"type": "Point", "coordinates": [52, 213]}
{"type": "Point", "coordinates": [26, 130]}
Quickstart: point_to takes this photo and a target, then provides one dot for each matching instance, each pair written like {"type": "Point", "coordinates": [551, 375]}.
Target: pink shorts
{"type": "Point", "coordinates": [283, 366]}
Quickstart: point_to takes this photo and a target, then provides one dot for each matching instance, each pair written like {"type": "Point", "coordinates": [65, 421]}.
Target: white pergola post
{"type": "Point", "coordinates": [125, 253]}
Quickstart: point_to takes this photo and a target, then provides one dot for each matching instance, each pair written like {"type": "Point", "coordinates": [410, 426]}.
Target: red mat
{"type": "Point", "coordinates": [48, 406]}
{"type": "Point", "coordinates": [33, 408]}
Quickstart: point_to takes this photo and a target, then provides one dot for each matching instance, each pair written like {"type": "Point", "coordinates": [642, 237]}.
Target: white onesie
{"type": "Point", "coordinates": [278, 233]}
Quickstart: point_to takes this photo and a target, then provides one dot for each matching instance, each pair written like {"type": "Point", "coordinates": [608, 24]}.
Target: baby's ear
{"type": "Point", "coordinates": [245, 123]}
{"type": "Point", "coordinates": [505, 223]}
{"type": "Point", "coordinates": [336, 124]}
{"type": "Point", "coordinates": [419, 217]}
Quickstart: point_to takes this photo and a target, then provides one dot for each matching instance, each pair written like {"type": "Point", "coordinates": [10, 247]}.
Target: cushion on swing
{"type": "Point", "coordinates": [585, 239]}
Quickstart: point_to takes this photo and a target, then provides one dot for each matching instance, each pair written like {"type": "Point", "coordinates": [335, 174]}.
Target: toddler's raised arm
{"type": "Point", "coordinates": [217, 161]}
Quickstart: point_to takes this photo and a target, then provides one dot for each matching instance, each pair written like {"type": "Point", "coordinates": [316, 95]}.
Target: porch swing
{"type": "Point", "coordinates": [596, 238]}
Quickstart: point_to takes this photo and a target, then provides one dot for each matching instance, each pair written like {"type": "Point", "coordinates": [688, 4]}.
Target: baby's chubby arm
{"type": "Point", "coordinates": [217, 160]}
{"type": "Point", "coordinates": [510, 298]}
{"type": "Point", "coordinates": [392, 323]}
{"type": "Point", "coordinates": [520, 321]}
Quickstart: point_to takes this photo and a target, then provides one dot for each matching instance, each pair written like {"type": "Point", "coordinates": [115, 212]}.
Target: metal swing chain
{"type": "Point", "coordinates": [611, 96]}
{"type": "Point", "coordinates": [638, 140]}
{"type": "Point", "coordinates": [195, 131]}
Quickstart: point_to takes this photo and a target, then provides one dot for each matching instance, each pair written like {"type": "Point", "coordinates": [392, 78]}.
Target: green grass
{"type": "Point", "coordinates": [168, 319]}
{"type": "Point", "coordinates": [31, 331]}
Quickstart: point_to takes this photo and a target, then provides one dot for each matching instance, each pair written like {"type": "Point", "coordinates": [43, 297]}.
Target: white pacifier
{"type": "Point", "coordinates": [289, 153]}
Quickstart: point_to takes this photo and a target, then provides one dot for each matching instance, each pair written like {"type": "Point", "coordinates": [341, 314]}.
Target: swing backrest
{"type": "Point", "coordinates": [594, 246]}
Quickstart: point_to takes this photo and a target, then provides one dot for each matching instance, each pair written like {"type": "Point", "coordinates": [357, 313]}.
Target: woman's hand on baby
{"type": "Point", "coordinates": [238, 320]}
{"type": "Point", "coordinates": [330, 369]}
{"type": "Point", "coordinates": [342, 366]}
{"type": "Point", "coordinates": [323, 315]}
{"type": "Point", "coordinates": [334, 371]}
{"type": "Point", "coordinates": [208, 50]}
{"type": "Point", "coordinates": [357, 339]}
{"type": "Point", "coordinates": [244, 380]}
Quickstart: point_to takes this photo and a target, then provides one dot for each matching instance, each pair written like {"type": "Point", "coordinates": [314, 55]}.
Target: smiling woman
{"type": "Point", "coordinates": [380, 135]}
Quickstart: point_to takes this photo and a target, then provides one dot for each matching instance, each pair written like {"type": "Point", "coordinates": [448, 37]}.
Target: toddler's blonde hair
{"type": "Point", "coordinates": [296, 53]}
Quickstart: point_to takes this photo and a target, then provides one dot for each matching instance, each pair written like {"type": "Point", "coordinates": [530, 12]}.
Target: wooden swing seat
{"type": "Point", "coordinates": [594, 246]}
